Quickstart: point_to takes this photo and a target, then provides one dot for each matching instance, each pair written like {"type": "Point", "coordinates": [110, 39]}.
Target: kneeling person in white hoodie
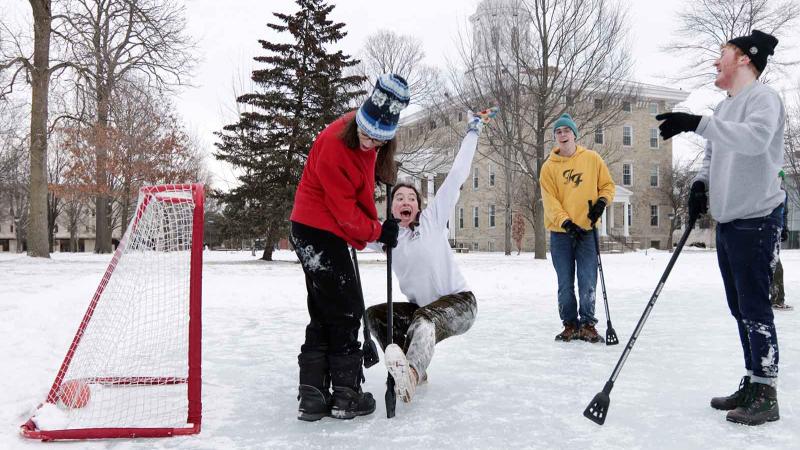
{"type": "Point", "coordinates": [440, 304]}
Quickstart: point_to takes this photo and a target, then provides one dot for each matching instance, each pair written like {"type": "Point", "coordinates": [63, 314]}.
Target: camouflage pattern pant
{"type": "Point", "coordinates": [416, 330]}
{"type": "Point", "coordinates": [776, 293]}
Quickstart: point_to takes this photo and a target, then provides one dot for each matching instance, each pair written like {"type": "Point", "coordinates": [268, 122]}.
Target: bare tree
{"type": "Point", "coordinates": [676, 190]}
{"type": "Point", "coordinates": [385, 51]}
{"type": "Point", "coordinates": [427, 132]}
{"type": "Point", "coordinates": [539, 59]}
{"type": "Point", "coordinates": [144, 144]}
{"type": "Point", "coordinates": [36, 70]}
{"type": "Point", "coordinates": [704, 25]}
{"type": "Point", "coordinates": [110, 42]}
{"type": "Point", "coordinates": [792, 152]}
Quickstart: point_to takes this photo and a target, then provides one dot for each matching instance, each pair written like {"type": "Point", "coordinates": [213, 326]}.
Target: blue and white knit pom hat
{"type": "Point", "coordinates": [380, 113]}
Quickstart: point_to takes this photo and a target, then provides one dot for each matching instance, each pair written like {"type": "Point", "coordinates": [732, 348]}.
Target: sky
{"type": "Point", "coordinates": [227, 34]}
{"type": "Point", "coordinates": [505, 383]}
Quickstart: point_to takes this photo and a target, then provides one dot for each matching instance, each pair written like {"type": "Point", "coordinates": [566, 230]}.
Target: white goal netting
{"type": "Point", "coordinates": [129, 363]}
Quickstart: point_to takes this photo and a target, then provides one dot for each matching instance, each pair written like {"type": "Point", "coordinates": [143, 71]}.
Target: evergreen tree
{"type": "Point", "coordinates": [300, 91]}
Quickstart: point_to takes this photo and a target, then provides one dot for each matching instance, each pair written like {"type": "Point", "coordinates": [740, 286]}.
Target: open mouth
{"type": "Point", "coordinates": [405, 213]}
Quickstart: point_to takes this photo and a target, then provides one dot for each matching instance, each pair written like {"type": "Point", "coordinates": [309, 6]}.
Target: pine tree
{"type": "Point", "coordinates": [300, 91]}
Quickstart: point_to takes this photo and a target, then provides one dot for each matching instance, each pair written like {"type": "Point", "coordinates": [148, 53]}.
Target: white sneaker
{"type": "Point", "coordinates": [405, 384]}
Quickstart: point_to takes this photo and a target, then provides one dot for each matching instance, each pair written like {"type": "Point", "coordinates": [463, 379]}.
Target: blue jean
{"type": "Point", "coordinates": [567, 254]}
{"type": "Point", "coordinates": [747, 252]}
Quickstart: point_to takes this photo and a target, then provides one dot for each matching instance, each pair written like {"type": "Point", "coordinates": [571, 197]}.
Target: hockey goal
{"type": "Point", "coordinates": [133, 368]}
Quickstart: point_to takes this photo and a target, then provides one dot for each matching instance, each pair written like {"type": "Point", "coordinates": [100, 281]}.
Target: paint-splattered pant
{"type": "Point", "coordinates": [331, 349]}
{"type": "Point", "coordinates": [417, 329]}
{"type": "Point", "coordinates": [747, 251]}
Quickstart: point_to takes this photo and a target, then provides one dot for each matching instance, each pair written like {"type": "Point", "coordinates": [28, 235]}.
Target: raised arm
{"type": "Point", "coordinates": [447, 196]}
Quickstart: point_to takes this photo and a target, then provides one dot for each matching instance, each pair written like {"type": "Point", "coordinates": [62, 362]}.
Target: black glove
{"type": "Point", "coordinates": [389, 231]}
{"type": "Point", "coordinates": [784, 234]}
{"type": "Point", "coordinates": [677, 122]}
{"type": "Point", "coordinates": [698, 200]}
{"type": "Point", "coordinates": [597, 210]}
{"type": "Point", "coordinates": [574, 231]}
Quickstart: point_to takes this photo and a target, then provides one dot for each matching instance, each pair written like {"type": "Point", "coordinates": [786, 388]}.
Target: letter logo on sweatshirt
{"type": "Point", "coordinates": [570, 177]}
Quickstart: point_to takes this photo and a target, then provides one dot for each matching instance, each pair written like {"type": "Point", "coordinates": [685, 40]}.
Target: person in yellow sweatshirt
{"type": "Point", "coordinates": [570, 178]}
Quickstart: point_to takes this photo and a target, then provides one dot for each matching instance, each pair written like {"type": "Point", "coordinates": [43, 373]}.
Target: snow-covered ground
{"type": "Point", "coordinates": [505, 384]}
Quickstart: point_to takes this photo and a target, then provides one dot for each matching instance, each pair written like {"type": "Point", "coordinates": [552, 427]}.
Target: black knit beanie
{"type": "Point", "coordinates": [757, 46]}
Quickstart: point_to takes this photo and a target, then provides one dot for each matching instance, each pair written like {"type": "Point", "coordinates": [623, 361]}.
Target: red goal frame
{"type": "Point", "coordinates": [193, 379]}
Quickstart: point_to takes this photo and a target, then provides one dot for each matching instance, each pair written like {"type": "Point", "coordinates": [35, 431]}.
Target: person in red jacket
{"type": "Point", "coordinates": [333, 207]}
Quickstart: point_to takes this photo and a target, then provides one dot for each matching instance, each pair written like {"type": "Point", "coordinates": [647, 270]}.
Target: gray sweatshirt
{"type": "Point", "coordinates": [744, 151]}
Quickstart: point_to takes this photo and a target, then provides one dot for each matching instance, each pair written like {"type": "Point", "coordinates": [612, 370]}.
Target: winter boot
{"type": "Point", "coordinates": [349, 400]}
{"type": "Point", "coordinates": [315, 382]}
{"type": "Point", "coordinates": [570, 332]}
{"type": "Point", "coordinates": [314, 403]}
{"type": "Point", "coordinates": [588, 333]}
{"type": "Point", "coordinates": [734, 400]}
{"type": "Point", "coordinates": [761, 406]}
{"type": "Point", "coordinates": [349, 403]}
{"type": "Point", "coordinates": [405, 379]}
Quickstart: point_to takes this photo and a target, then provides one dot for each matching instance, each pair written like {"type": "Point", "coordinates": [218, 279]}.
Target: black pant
{"type": "Point", "coordinates": [334, 307]}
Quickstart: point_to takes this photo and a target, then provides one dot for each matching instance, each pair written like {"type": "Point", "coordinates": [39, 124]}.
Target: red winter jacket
{"type": "Point", "coordinates": [336, 190]}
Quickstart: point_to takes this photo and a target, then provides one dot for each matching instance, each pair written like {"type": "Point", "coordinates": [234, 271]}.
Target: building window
{"type": "Point", "coordinates": [653, 215]}
{"type": "Point", "coordinates": [460, 116]}
{"type": "Point", "coordinates": [491, 246]}
{"type": "Point", "coordinates": [655, 244]}
{"type": "Point", "coordinates": [55, 228]}
{"type": "Point", "coordinates": [630, 215]}
{"type": "Point", "coordinates": [654, 176]}
{"type": "Point", "coordinates": [626, 106]}
{"type": "Point", "coordinates": [491, 216]}
{"type": "Point", "coordinates": [433, 125]}
{"type": "Point", "coordinates": [627, 135]}
{"type": "Point", "coordinates": [627, 174]}
{"type": "Point", "coordinates": [475, 246]}
{"type": "Point", "coordinates": [475, 178]}
{"type": "Point", "coordinates": [460, 217]}
{"type": "Point", "coordinates": [491, 175]}
{"type": "Point", "coordinates": [653, 137]}
{"type": "Point", "coordinates": [598, 135]}
{"type": "Point", "coordinates": [653, 108]}
{"type": "Point", "coordinates": [475, 220]}
{"type": "Point", "coordinates": [570, 101]}
{"type": "Point", "coordinates": [598, 103]}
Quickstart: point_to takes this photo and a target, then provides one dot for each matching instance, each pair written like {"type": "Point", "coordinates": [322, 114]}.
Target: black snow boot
{"type": "Point", "coordinates": [315, 383]}
{"type": "Point", "coordinates": [734, 400]}
{"type": "Point", "coordinates": [349, 400]}
{"type": "Point", "coordinates": [761, 407]}
{"type": "Point", "coordinates": [349, 403]}
{"type": "Point", "coordinates": [314, 403]}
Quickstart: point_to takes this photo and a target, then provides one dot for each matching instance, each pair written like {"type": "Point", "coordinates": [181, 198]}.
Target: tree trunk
{"type": "Point", "coordinates": [508, 218]}
{"type": "Point", "coordinates": [40, 80]}
{"type": "Point", "coordinates": [102, 222]}
{"type": "Point", "coordinates": [539, 233]}
{"type": "Point", "coordinates": [267, 255]}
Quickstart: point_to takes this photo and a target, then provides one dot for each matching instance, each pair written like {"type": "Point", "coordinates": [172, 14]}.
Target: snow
{"type": "Point", "coordinates": [504, 384]}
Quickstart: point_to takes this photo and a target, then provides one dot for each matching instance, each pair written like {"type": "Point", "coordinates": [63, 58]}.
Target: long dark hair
{"type": "Point", "coordinates": [385, 166]}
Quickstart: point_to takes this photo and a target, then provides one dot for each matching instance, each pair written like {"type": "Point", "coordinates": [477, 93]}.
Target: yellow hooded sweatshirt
{"type": "Point", "coordinates": [569, 183]}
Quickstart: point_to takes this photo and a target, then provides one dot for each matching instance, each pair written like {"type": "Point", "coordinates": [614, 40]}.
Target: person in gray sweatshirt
{"type": "Point", "coordinates": [744, 151]}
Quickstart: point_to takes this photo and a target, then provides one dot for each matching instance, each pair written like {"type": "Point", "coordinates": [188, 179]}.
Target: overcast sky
{"type": "Point", "coordinates": [227, 33]}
